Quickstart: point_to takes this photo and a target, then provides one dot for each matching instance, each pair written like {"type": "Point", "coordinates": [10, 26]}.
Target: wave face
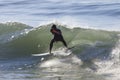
{"type": "Point", "coordinates": [10, 30]}
{"type": "Point", "coordinates": [28, 41]}
{"type": "Point", "coordinates": [11, 27]}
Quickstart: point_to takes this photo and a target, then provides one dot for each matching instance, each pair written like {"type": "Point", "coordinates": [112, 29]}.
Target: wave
{"type": "Point", "coordinates": [36, 40]}
{"type": "Point", "coordinates": [94, 50]}
{"type": "Point", "coordinates": [111, 67]}
{"type": "Point", "coordinates": [10, 27]}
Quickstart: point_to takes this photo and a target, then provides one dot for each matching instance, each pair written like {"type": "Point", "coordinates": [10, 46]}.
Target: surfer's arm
{"type": "Point", "coordinates": [54, 31]}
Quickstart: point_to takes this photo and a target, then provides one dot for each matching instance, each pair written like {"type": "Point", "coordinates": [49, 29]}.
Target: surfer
{"type": "Point", "coordinates": [57, 36]}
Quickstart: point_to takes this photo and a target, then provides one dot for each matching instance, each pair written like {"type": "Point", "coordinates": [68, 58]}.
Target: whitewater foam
{"type": "Point", "coordinates": [60, 59]}
{"type": "Point", "coordinates": [111, 67]}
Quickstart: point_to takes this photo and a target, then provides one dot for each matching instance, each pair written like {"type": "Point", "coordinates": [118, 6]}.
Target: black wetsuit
{"type": "Point", "coordinates": [57, 37]}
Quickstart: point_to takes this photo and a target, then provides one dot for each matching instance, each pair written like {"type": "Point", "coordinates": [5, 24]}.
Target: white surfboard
{"type": "Point", "coordinates": [54, 53]}
{"type": "Point", "coordinates": [41, 54]}
{"type": "Point", "coordinates": [59, 52]}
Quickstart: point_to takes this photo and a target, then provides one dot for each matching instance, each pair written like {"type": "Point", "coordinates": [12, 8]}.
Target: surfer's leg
{"type": "Point", "coordinates": [63, 41]}
{"type": "Point", "coordinates": [51, 44]}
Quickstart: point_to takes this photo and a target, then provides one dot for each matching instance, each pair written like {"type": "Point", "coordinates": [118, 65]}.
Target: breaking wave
{"type": "Point", "coordinates": [95, 50]}
{"type": "Point", "coordinates": [26, 41]}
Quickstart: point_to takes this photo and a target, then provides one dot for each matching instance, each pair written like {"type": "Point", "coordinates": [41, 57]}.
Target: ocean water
{"type": "Point", "coordinates": [95, 54]}
{"type": "Point", "coordinates": [93, 57]}
{"type": "Point", "coordinates": [103, 14]}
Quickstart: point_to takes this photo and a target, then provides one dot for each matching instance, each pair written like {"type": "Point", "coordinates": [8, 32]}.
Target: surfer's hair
{"type": "Point", "coordinates": [54, 26]}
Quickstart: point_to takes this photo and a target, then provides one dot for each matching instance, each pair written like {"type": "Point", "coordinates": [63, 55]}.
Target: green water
{"type": "Point", "coordinates": [89, 47]}
{"type": "Point", "coordinates": [38, 40]}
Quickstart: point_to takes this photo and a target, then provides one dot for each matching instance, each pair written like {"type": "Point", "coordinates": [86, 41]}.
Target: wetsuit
{"type": "Point", "coordinates": [57, 37]}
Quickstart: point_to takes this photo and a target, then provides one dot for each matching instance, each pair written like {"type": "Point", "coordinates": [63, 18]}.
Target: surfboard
{"type": "Point", "coordinates": [59, 52]}
{"type": "Point", "coordinates": [55, 53]}
{"type": "Point", "coordinates": [41, 54]}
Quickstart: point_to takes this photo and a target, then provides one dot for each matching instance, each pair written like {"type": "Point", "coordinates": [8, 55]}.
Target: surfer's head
{"type": "Point", "coordinates": [53, 26]}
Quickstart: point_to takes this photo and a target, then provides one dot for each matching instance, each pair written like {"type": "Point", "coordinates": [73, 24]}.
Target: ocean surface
{"type": "Point", "coordinates": [92, 57]}
{"type": "Point", "coordinates": [100, 14]}
{"type": "Point", "coordinates": [94, 53]}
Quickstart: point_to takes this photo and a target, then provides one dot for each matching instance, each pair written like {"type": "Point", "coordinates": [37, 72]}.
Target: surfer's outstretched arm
{"type": "Point", "coordinates": [51, 45]}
